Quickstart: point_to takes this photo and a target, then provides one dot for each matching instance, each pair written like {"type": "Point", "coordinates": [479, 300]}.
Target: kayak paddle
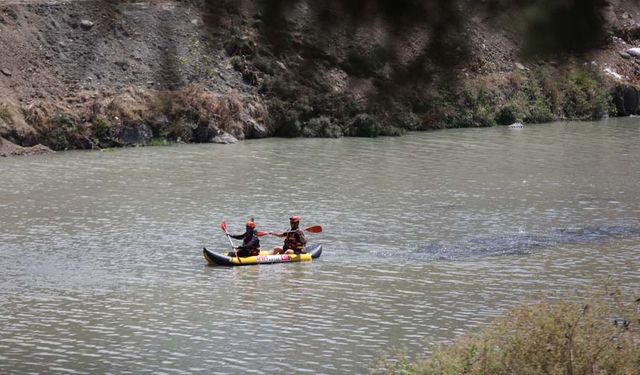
{"type": "Point", "coordinates": [313, 229]}
{"type": "Point", "coordinates": [223, 226]}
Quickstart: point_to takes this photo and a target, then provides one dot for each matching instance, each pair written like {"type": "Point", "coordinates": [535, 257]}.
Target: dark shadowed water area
{"type": "Point", "coordinates": [425, 236]}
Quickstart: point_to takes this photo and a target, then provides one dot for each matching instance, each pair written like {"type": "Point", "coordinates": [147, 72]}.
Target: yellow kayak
{"type": "Point", "coordinates": [311, 252]}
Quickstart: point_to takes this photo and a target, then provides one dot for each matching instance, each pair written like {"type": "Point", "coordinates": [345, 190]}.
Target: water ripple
{"type": "Point", "coordinates": [425, 236]}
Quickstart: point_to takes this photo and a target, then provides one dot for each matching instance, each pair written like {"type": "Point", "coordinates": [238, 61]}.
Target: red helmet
{"type": "Point", "coordinates": [251, 224]}
{"type": "Point", "coordinates": [295, 219]}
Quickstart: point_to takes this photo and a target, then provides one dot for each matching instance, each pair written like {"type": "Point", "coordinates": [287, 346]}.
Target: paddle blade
{"type": "Point", "coordinates": [261, 234]}
{"type": "Point", "coordinates": [314, 229]}
{"type": "Point", "coordinates": [223, 226]}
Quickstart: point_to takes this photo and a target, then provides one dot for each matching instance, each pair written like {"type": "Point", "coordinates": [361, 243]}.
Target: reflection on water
{"type": "Point", "coordinates": [425, 236]}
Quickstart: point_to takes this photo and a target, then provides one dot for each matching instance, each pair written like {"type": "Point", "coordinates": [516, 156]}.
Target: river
{"type": "Point", "coordinates": [425, 237]}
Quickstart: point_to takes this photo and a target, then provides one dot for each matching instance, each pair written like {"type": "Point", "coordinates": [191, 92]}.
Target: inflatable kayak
{"type": "Point", "coordinates": [311, 252]}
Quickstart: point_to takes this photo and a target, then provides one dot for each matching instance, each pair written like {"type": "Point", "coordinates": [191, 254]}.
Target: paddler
{"type": "Point", "coordinates": [294, 240]}
{"type": "Point", "coordinates": [250, 241]}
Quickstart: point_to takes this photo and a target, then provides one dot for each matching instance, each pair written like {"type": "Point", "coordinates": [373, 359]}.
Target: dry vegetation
{"type": "Point", "coordinates": [585, 336]}
{"type": "Point", "coordinates": [99, 119]}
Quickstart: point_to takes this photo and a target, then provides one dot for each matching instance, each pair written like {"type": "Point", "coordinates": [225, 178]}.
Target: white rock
{"type": "Point", "coordinates": [516, 125]}
{"type": "Point", "coordinates": [86, 24]}
{"type": "Point", "coordinates": [612, 73]}
{"type": "Point", "coordinates": [224, 138]}
{"type": "Point", "coordinates": [635, 52]}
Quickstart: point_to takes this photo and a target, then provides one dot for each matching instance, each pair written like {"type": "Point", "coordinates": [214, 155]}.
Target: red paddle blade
{"type": "Point", "coordinates": [261, 234]}
{"type": "Point", "coordinates": [314, 229]}
{"type": "Point", "coordinates": [223, 226]}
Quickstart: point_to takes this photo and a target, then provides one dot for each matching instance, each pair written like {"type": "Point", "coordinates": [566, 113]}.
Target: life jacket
{"type": "Point", "coordinates": [249, 237]}
{"type": "Point", "coordinates": [292, 241]}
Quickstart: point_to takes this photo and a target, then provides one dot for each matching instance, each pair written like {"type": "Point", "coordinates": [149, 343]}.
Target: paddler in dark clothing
{"type": "Point", "coordinates": [250, 241]}
{"type": "Point", "coordinates": [294, 240]}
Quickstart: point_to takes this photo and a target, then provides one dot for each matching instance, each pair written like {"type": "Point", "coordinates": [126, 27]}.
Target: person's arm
{"type": "Point", "coordinates": [237, 236]}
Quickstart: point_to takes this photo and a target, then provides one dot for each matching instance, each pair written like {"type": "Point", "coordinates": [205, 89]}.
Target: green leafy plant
{"type": "Point", "coordinates": [103, 132]}
{"type": "Point", "coordinates": [61, 132]}
{"type": "Point", "coordinates": [584, 95]}
{"type": "Point", "coordinates": [158, 142]}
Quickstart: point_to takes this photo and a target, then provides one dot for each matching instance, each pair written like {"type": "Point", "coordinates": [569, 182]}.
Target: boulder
{"type": "Point", "coordinates": [205, 132]}
{"type": "Point", "coordinates": [255, 130]}
{"type": "Point", "coordinates": [135, 134]}
{"type": "Point", "coordinates": [625, 55]}
{"type": "Point", "coordinates": [8, 148]}
{"type": "Point", "coordinates": [365, 125]}
{"type": "Point", "coordinates": [86, 24]}
{"type": "Point", "coordinates": [635, 52]}
{"type": "Point", "coordinates": [224, 138]}
{"type": "Point", "coordinates": [322, 127]}
{"type": "Point", "coordinates": [626, 100]}
{"type": "Point", "coordinates": [516, 125]}
{"type": "Point", "coordinates": [612, 73]}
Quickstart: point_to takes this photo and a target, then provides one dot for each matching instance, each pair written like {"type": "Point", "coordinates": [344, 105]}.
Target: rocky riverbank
{"type": "Point", "coordinates": [93, 74]}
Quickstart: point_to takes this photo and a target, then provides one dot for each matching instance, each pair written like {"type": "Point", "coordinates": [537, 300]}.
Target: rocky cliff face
{"type": "Point", "coordinates": [89, 74]}
{"type": "Point", "coordinates": [92, 74]}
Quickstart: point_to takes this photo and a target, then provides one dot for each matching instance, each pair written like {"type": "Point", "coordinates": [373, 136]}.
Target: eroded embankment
{"type": "Point", "coordinates": [92, 74]}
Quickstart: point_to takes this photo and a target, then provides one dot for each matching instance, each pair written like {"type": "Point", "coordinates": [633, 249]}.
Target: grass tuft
{"type": "Point", "coordinates": [5, 113]}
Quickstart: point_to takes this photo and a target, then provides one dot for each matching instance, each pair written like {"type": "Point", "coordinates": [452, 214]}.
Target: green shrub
{"type": "Point", "coordinates": [321, 127]}
{"type": "Point", "coordinates": [598, 335]}
{"type": "Point", "coordinates": [61, 133]}
{"type": "Point", "coordinates": [390, 130]}
{"type": "Point", "coordinates": [483, 116]}
{"type": "Point", "coordinates": [507, 115]}
{"type": "Point", "coordinates": [585, 95]}
{"type": "Point", "coordinates": [180, 130]}
{"type": "Point", "coordinates": [238, 63]}
{"type": "Point", "coordinates": [475, 108]}
{"type": "Point", "coordinates": [158, 142]}
{"type": "Point", "coordinates": [407, 120]}
{"type": "Point", "coordinates": [198, 59]}
{"type": "Point", "coordinates": [538, 104]}
{"type": "Point", "coordinates": [316, 127]}
{"type": "Point", "coordinates": [287, 123]}
{"type": "Point", "coordinates": [103, 132]}
{"type": "Point", "coordinates": [365, 125]}
{"type": "Point", "coordinates": [240, 46]}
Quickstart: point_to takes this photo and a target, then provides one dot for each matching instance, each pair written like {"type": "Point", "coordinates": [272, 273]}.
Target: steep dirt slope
{"type": "Point", "coordinates": [74, 58]}
{"type": "Point", "coordinates": [90, 74]}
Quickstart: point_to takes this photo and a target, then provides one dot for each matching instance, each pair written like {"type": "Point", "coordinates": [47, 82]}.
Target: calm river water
{"type": "Point", "coordinates": [425, 236]}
